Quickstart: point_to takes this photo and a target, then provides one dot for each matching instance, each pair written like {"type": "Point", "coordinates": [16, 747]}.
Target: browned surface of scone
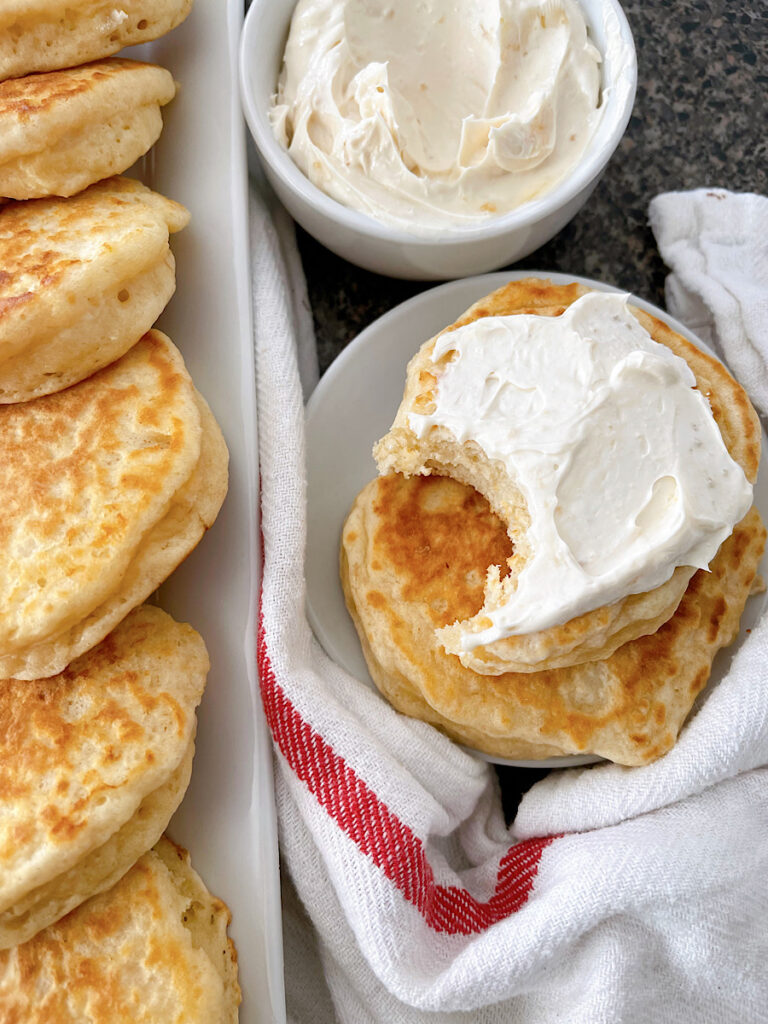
{"type": "Point", "coordinates": [153, 949]}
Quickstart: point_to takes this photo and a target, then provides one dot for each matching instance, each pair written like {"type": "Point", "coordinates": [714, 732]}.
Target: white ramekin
{"type": "Point", "coordinates": [361, 239]}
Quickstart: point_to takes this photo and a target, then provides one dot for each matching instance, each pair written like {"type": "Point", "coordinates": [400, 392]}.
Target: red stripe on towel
{"type": "Point", "coordinates": [379, 834]}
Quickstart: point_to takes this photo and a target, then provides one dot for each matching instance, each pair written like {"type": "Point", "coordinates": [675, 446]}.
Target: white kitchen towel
{"type": "Point", "coordinates": [620, 895]}
{"type": "Point", "coordinates": [716, 245]}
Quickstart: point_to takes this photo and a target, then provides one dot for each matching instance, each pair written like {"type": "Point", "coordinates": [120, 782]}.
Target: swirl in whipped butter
{"type": "Point", "coordinates": [616, 453]}
{"type": "Point", "coordinates": [436, 114]}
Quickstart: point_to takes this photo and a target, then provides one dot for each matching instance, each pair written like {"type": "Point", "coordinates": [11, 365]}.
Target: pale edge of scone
{"type": "Point", "coordinates": [101, 868]}
{"type": "Point", "coordinates": [45, 35]}
{"type": "Point", "coordinates": [594, 635]}
{"type": "Point", "coordinates": [207, 919]}
{"type": "Point", "coordinates": [89, 279]}
{"type": "Point", "coordinates": [124, 716]}
{"type": "Point", "coordinates": [156, 949]}
{"type": "Point", "coordinates": [62, 131]}
{"type": "Point", "coordinates": [192, 512]}
{"type": "Point", "coordinates": [87, 473]}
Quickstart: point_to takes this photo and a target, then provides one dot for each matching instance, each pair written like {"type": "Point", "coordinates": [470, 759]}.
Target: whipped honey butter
{"type": "Point", "coordinates": [616, 453]}
{"type": "Point", "coordinates": [437, 114]}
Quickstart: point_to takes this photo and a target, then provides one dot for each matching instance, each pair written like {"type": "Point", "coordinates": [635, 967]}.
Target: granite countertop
{"type": "Point", "coordinates": [700, 119]}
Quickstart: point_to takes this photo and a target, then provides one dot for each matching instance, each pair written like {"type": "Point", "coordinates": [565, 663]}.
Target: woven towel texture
{"type": "Point", "coordinates": [618, 895]}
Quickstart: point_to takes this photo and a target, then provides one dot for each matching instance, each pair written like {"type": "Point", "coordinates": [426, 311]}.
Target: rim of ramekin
{"type": "Point", "coordinates": [618, 109]}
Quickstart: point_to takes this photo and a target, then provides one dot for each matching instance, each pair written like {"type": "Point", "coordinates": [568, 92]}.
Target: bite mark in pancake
{"type": "Point", "coordinates": [628, 707]}
{"type": "Point", "coordinates": [436, 562]}
{"type": "Point", "coordinates": [593, 635]}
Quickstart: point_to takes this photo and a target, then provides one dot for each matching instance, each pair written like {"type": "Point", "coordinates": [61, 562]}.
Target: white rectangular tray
{"type": "Point", "coordinates": [227, 819]}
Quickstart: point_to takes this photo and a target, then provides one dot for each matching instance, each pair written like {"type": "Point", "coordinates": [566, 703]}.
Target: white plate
{"type": "Point", "coordinates": [227, 818]}
{"type": "Point", "coordinates": [354, 405]}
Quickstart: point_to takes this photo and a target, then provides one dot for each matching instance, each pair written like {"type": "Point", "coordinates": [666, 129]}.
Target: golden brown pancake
{"type": "Point", "coordinates": [153, 949]}
{"type": "Point", "coordinates": [64, 130]}
{"type": "Point", "coordinates": [414, 554]}
{"type": "Point", "coordinates": [43, 35]}
{"type": "Point", "coordinates": [93, 763]}
{"type": "Point", "coordinates": [596, 634]}
{"type": "Point", "coordinates": [108, 486]}
{"type": "Point", "coordinates": [81, 280]}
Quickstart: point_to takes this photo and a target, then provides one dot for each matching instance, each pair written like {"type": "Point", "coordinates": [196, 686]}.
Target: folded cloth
{"type": "Point", "coordinates": [716, 245]}
{"type": "Point", "coordinates": [629, 895]}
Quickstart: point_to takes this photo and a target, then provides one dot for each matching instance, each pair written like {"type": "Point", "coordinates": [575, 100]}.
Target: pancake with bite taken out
{"type": "Point", "coordinates": [596, 634]}
{"type": "Point", "coordinates": [414, 556]}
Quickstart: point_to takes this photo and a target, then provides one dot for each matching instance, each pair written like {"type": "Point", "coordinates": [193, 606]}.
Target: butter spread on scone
{"type": "Point", "coordinates": [437, 115]}
{"type": "Point", "coordinates": [619, 462]}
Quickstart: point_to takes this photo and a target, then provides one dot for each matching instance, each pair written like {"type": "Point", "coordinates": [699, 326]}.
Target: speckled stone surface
{"type": "Point", "coordinates": [700, 118]}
